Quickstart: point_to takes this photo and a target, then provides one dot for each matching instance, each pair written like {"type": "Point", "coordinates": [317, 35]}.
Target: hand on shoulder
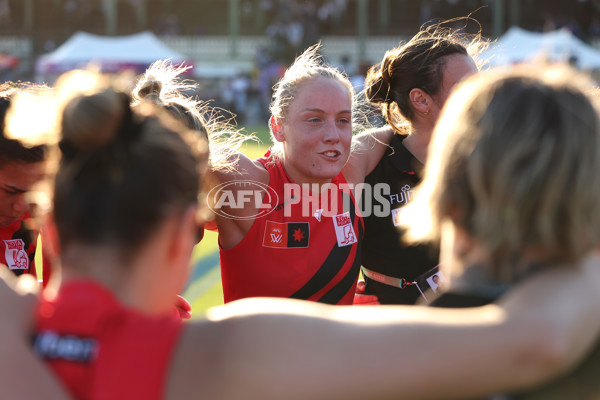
{"type": "Point", "coordinates": [559, 306]}
{"type": "Point", "coordinates": [18, 297]}
{"type": "Point", "coordinates": [367, 149]}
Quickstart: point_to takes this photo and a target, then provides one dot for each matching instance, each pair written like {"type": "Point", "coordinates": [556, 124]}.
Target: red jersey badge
{"type": "Point", "coordinates": [286, 235]}
{"type": "Point", "coordinates": [344, 229]}
{"type": "Point", "coordinates": [15, 254]}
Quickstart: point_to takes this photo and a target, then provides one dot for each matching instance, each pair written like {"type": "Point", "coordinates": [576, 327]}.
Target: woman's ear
{"type": "Point", "coordinates": [185, 235]}
{"type": "Point", "coordinates": [276, 129]}
{"type": "Point", "coordinates": [182, 238]}
{"type": "Point", "coordinates": [420, 100]}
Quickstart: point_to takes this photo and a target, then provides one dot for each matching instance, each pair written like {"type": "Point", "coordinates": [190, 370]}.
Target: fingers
{"type": "Point", "coordinates": [365, 299]}
{"type": "Point", "coordinates": [182, 303]}
{"type": "Point", "coordinates": [360, 287]}
{"type": "Point", "coordinates": [184, 314]}
{"type": "Point", "coordinates": [183, 307]}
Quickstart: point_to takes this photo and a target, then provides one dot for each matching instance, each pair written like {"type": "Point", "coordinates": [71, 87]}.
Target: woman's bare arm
{"type": "Point", "coordinates": [234, 220]}
{"type": "Point", "coordinates": [259, 348]}
{"type": "Point", "coordinates": [22, 374]}
{"type": "Point", "coordinates": [566, 300]}
{"type": "Point", "coordinates": [280, 349]}
{"type": "Point", "coordinates": [367, 149]}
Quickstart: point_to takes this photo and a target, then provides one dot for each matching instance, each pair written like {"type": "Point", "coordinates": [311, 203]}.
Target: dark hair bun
{"type": "Point", "coordinates": [377, 86]}
{"type": "Point", "coordinates": [90, 122]}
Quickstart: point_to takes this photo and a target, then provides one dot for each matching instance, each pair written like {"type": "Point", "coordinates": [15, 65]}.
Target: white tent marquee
{"type": "Point", "coordinates": [110, 53]}
{"type": "Point", "coordinates": [518, 46]}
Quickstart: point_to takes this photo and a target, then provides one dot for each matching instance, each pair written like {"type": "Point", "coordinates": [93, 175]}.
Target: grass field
{"type": "Point", "coordinates": [204, 286]}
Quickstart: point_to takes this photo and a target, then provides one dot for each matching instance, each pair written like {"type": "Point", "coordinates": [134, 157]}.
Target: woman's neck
{"type": "Point", "coordinates": [417, 142]}
{"type": "Point", "coordinates": [97, 263]}
{"type": "Point", "coordinates": [104, 265]}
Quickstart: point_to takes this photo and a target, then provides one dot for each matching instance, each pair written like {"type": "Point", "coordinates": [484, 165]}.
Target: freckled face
{"type": "Point", "coordinates": [317, 131]}
{"type": "Point", "coordinates": [16, 179]}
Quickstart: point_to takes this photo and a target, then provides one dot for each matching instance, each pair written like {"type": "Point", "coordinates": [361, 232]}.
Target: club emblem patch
{"type": "Point", "coordinates": [15, 255]}
{"type": "Point", "coordinates": [344, 229]}
{"type": "Point", "coordinates": [286, 235]}
{"type": "Point", "coordinates": [396, 216]}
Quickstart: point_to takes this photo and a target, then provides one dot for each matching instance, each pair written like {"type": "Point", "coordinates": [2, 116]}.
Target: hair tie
{"type": "Point", "coordinates": [387, 94]}
{"type": "Point", "coordinates": [151, 90]}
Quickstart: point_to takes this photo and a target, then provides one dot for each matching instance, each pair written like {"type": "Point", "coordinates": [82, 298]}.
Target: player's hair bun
{"type": "Point", "coordinates": [94, 121]}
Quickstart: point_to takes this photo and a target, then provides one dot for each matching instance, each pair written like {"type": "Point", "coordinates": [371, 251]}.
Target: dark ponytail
{"type": "Point", "coordinates": [419, 64]}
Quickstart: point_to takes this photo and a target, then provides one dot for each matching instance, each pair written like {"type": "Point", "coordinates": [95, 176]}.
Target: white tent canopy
{"type": "Point", "coordinates": [111, 53]}
{"type": "Point", "coordinates": [518, 46]}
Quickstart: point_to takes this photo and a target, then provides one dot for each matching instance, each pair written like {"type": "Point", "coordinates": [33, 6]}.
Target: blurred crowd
{"type": "Point", "coordinates": [290, 26]}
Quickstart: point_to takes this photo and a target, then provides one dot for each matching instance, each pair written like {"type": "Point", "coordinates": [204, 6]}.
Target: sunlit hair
{"type": "Point", "coordinates": [515, 162]}
{"type": "Point", "coordinates": [163, 85]}
{"type": "Point", "coordinates": [309, 65]}
{"type": "Point", "coordinates": [12, 146]}
{"type": "Point", "coordinates": [122, 170]}
{"type": "Point", "coordinates": [418, 63]}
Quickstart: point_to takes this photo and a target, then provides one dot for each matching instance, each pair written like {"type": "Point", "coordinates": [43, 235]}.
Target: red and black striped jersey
{"type": "Point", "coordinates": [306, 246]}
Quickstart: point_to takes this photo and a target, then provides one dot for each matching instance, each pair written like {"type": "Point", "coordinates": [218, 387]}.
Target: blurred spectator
{"type": "Point", "coordinates": [5, 12]}
{"type": "Point", "coordinates": [358, 78]}
{"type": "Point", "coordinates": [8, 63]}
{"type": "Point", "coordinates": [168, 25]}
{"type": "Point", "coordinates": [239, 87]}
{"type": "Point", "coordinates": [331, 14]}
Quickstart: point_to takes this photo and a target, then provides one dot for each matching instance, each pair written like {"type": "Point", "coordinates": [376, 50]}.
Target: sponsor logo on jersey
{"type": "Point", "coordinates": [406, 195]}
{"type": "Point", "coordinates": [53, 346]}
{"type": "Point", "coordinates": [15, 254]}
{"type": "Point", "coordinates": [286, 235]}
{"type": "Point", "coordinates": [318, 214]}
{"type": "Point", "coordinates": [344, 230]}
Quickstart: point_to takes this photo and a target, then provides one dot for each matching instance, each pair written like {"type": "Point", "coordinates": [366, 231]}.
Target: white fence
{"type": "Point", "coordinates": [217, 55]}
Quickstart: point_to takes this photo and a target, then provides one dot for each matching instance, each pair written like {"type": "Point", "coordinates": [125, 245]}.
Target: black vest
{"type": "Point", "coordinates": [383, 250]}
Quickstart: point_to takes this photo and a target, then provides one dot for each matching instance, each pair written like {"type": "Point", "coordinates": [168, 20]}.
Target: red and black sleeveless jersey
{"type": "Point", "coordinates": [311, 253]}
{"type": "Point", "coordinates": [101, 350]}
{"type": "Point", "coordinates": [17, 246]}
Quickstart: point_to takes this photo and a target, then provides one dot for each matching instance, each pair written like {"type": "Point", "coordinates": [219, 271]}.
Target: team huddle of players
{"type": "Point", "coordinates": [128, 203]}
